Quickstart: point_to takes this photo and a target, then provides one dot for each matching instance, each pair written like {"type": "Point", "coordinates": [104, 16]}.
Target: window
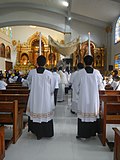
{"type": "Point", "coordinates": [117, 31]}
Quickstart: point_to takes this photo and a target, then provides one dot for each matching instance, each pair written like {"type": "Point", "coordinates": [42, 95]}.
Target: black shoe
{"type": "Point", "coordinates": [82, 139]}
{"type": "Point", "coordinates": [38, 138]}
{"type": "Point", "coordinates": [72, 112]}
{"type": "Point", "coordinates": [77, 137]}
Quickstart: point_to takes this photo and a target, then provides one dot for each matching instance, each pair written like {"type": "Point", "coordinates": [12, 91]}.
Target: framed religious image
{"type": "Point", "coordinates": [8, 52]}
{"type": "Point", "coordinates": [2, 50]}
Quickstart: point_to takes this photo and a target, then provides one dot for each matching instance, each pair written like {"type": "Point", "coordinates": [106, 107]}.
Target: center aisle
{"type": "Point", "coordinates": [63, 146]}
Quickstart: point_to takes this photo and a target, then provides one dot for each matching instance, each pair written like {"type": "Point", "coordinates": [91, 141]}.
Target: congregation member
{"type": "Point", "coordinates": [25, 81]}
{"type": "Point", "coordinates": [63, 82]}
{"type": "Point", "coordinates": [40, 109]}
{"type": "Point", "coordinates": [57, 81]}
{"type": "Point", "coordinates": [74, 95]}
{"type": "Point", "coordinates": [114, 74]}
{"type": "Point", "coordinates": [88, 81]}
{"type": "Point", "coordinates": [11, 79]}
{"type": "Point", "coordinates": [3, 84]}
{"type": "Point", "coordinates": [108, 82]}
{"type": "Point", "coordinates": [116, 83]}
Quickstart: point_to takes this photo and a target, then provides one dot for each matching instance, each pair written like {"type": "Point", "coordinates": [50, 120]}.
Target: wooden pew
{"type": "Point", "coordinates": [15, 91]}
{"type": "Point", "coordinates": [109, 92]}
{"type": "Point", "coordinates": [14, 84]}
{"type": "Point", "coordinates": [2, 143]}
{"type": "Point", "coordinates": [109, 113]}
{"type": "Point", "coordinates": [10, 115]}
{"type": "Point", "coordinates": [16, 87]}
{"type": "Point", "coordinates": [117, 144]}
{"type": "Point", "coordinates": [22, 99]}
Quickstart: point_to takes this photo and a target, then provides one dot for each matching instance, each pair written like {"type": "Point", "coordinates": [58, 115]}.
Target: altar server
{"type": "Point", "coordinates": [40, 108]}
{"type": "Point", "coordinates": [74, 104]}
{"type": "Point", "coordinates": [88, 81]}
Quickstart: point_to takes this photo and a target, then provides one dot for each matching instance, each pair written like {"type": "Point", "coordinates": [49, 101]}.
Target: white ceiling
{"type": "Point", "coordinates": [103, 11]}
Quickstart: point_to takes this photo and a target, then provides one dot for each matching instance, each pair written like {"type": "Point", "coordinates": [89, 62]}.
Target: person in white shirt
{"type": "Point", "coordinates": [67, 73]}
{"type": "Point", "coordinates": [40, 109]}
{"type": "Point", "coordinates": [63, 82]}
{"type": "Point", "coordinates": [25, 81]}
{"type": "Point", "coordinates": [3, 84]}
{"type": "Point", "coordinates": [57, 81]}
{"type": "Point", "coordinates": [116, 83]}
{"type": "Point", "coordinates": [88, 81]}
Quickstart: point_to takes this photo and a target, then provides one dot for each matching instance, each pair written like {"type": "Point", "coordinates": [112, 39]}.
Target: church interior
{"type": "Point", "coordinates": [62, 31]}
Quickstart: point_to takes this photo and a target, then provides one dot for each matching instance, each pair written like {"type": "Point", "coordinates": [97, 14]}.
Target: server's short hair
{"type": "Point", "coordinates": [41, 60]}
{"type": "Point", "coordinates": [80, 65]}
{"type": "Point", "coordinates": [88, 60]}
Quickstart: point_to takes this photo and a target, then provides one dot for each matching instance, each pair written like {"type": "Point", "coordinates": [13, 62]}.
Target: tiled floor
{"type": "Point", "coordinates": [63, 146]}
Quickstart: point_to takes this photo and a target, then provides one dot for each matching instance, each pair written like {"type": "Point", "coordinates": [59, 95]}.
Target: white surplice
{"type": "Point", "coordinates": [87, 87]}
{"type": "Point", "coordinates": [74, 103]}
{"type": "Point", "coordinates": [40, 103]}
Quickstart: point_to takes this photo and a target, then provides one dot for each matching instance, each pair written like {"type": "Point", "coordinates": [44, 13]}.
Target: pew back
{"type": "Point", "coordinates": [117, 144]}
{"type": "Point", "coordinates": [9, 114]}
{"type": "Point", "coordinates": [15, 91]}
{"type": "Point", "coordinates": [109, 92]}
{"type": "Point", "coordinates": [109, 113]}
{"type": "Point", "coordinates": [16, 87]}
{"type": "Point", "coordinates": [14, 84]}
{"type": "Point", "coordinates": [2, 143]}
{"type": "Point", "coordinates": [22, 99]}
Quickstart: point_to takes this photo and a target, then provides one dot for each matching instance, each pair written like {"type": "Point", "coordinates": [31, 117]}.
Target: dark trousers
{"type": "Point", "coordinates": [55, 95]}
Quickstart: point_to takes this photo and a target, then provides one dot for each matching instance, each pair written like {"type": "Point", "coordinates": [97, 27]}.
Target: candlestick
{"type": "Point", "coordinates": [89, 48]}
{"type": "Point", "coordinates": [40, 44]}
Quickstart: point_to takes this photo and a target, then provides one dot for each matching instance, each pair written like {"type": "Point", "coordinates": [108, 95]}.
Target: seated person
{"type": "Point", "coordinates": [3, 84]}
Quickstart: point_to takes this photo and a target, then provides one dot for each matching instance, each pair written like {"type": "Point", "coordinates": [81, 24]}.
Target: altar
{"type": "Point", "coordinates": [28, 52]}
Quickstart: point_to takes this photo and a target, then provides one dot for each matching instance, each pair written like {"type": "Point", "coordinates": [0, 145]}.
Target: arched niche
{"type": "Point", "coordinates": [24, 59]}
{"type": "Point", "coordinates": [8, 52]}
{"type": "Point", "coordinates": [2, 50]}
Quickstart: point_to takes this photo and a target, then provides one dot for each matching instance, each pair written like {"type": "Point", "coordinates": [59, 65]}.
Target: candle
{"type": "Point", "coordinates": [89, 49]}
{"type": "Point", "coordinates": [40, 44]}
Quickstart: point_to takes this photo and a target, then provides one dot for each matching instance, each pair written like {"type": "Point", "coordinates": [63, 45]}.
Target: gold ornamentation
{"type": "Point", "coordinates": [14, 42]}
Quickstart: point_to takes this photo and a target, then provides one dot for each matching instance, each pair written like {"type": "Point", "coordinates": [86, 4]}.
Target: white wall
{"type": "Point", "coordinates": [22, 33]}
{"type": "Point", "coordinates": [98, 34]}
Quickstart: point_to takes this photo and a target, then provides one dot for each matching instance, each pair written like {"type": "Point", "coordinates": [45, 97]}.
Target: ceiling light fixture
{"type": "Point", "coordinates": [31, 26]}
{"type": "Point", "coordinates": [65, 3]}
{"type": "Point", "coordinates": [69, 18]}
